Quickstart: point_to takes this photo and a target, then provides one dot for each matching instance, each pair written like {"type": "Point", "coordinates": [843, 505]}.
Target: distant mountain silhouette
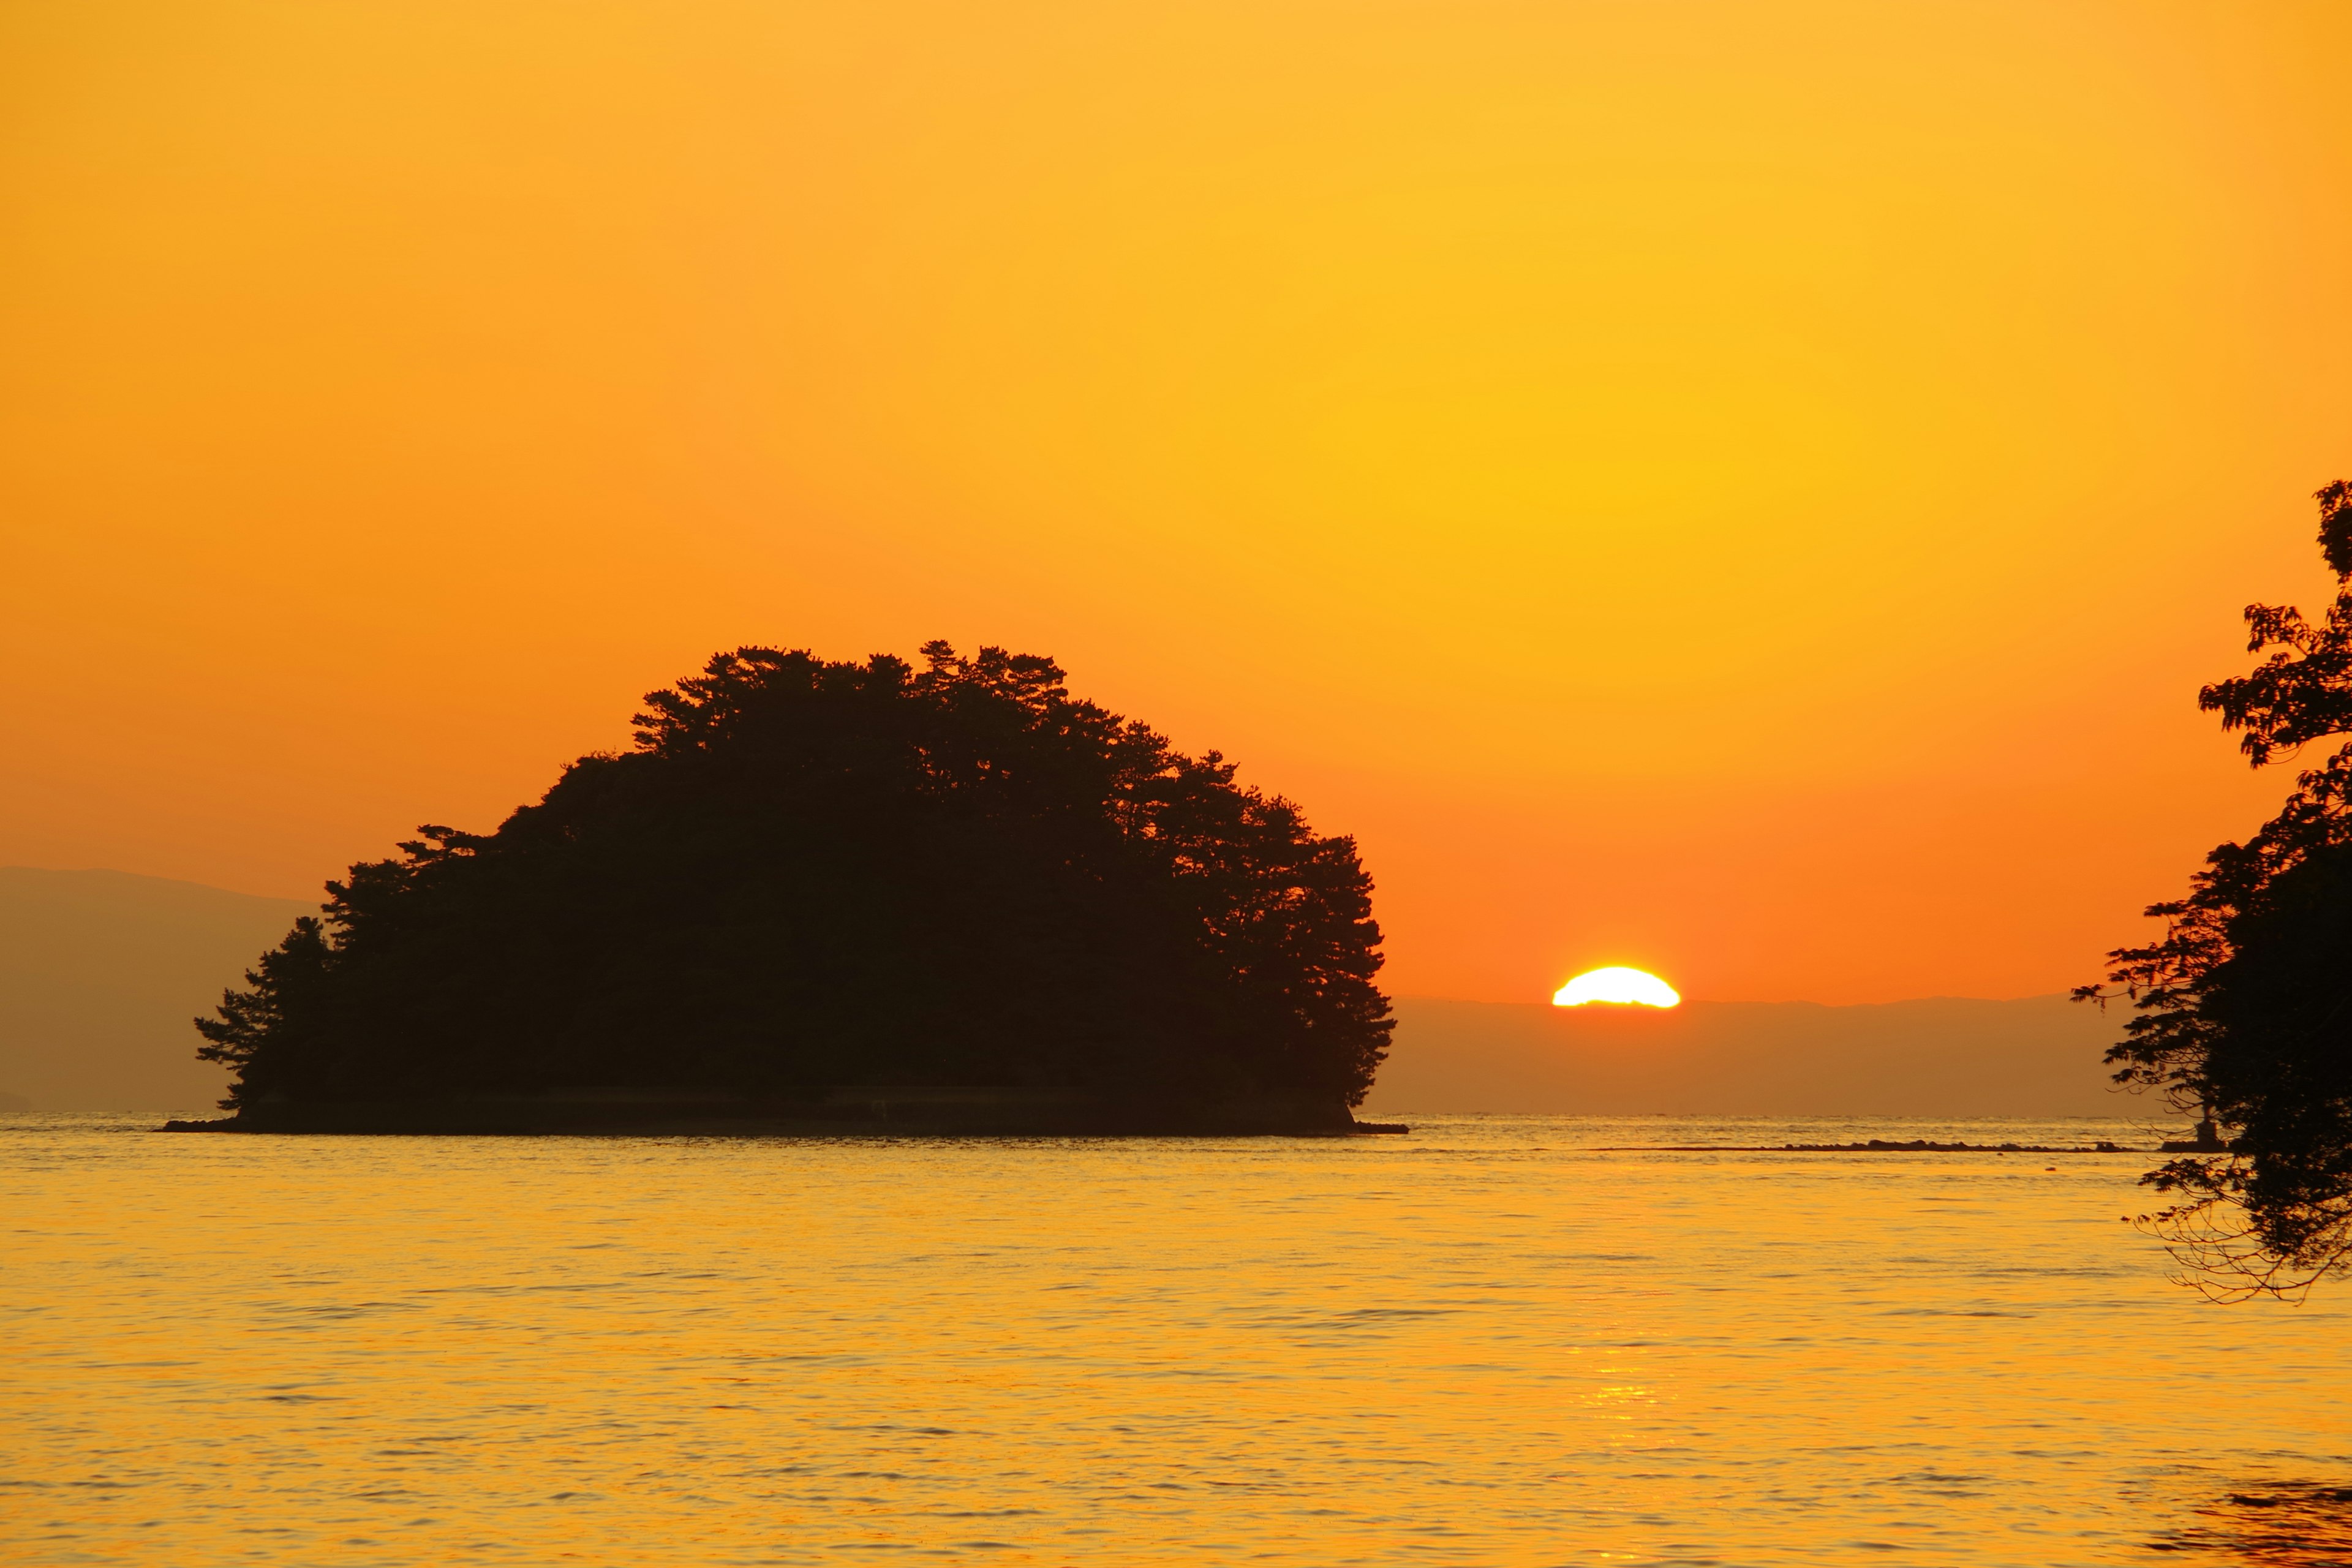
{"type": "Point", "coordinates": [100, 973]}
{"type": "Point", "coordinates": [1939, 1056]}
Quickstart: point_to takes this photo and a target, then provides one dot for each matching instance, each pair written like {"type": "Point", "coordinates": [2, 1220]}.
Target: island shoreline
{"type": "Point", "coordinates": [857, 1111]}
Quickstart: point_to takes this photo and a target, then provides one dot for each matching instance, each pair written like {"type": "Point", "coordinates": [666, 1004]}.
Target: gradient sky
{"type": "Point", "coordinates": [1747, 490]}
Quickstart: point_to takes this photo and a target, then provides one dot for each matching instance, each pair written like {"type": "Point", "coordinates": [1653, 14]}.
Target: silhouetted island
{"type": "Point", "coordinates": [823, 896]}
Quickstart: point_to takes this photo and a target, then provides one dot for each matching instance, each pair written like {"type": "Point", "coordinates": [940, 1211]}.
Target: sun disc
{"type": "Point", "coordinates": [1616, 984]}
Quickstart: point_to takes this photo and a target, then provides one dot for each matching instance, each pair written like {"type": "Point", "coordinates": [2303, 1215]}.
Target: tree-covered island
{"type": "Point", "coordinates": [819, 894]}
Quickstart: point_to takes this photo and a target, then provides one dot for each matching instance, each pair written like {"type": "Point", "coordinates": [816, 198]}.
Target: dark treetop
{"type": "Point", "coordinates": [810, 873]}
{"type": "Point", "coordinates": [2245, 1008]}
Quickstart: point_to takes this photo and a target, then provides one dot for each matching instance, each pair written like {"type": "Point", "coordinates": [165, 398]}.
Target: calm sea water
{"type": "Point", "coordinates": [1492, 1342]}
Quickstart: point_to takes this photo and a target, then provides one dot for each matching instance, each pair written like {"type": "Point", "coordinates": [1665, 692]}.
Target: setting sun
{"type": "Point", "coordinates": [1616, 984]}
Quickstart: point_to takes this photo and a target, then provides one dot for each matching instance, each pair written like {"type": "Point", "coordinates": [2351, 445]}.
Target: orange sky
{"type": "Point", "coordinates": [1748, 489]}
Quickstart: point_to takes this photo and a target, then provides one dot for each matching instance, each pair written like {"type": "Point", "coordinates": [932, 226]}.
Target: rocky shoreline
{"type": "Point", "coordinates": [893, 1112]}
{"type": "Point", "coordinates": [1875, 1146]}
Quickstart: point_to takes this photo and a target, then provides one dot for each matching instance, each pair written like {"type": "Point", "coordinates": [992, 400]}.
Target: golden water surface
{"type": "Point", "coordinates": [1490, 1341]}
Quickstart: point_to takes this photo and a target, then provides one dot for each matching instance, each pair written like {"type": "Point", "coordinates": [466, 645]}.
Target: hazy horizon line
{"type": "Point", "coordinates": [1734, 1002]}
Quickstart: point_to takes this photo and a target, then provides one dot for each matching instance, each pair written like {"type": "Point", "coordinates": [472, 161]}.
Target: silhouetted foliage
{"type": "Point", "coordinates": [2244, 1007]}
{"type": "Point", "coordinates": [812, 873]}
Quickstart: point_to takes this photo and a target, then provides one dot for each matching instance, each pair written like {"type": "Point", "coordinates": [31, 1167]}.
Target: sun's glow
{"type": "Point", "coordinates": [1616, 984]}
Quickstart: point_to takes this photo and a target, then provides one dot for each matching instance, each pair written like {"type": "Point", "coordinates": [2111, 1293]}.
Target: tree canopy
{"type": "Point", "coordinates": [2244, 1006]}
{"type": "Point", "coordinates": [812, 873]}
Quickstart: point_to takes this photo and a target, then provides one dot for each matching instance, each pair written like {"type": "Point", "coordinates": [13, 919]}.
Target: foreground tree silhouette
{"type": "Point", "coordinates": [810, 874]}
{"type": "Point", "coordinates": [2245, 1008]}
